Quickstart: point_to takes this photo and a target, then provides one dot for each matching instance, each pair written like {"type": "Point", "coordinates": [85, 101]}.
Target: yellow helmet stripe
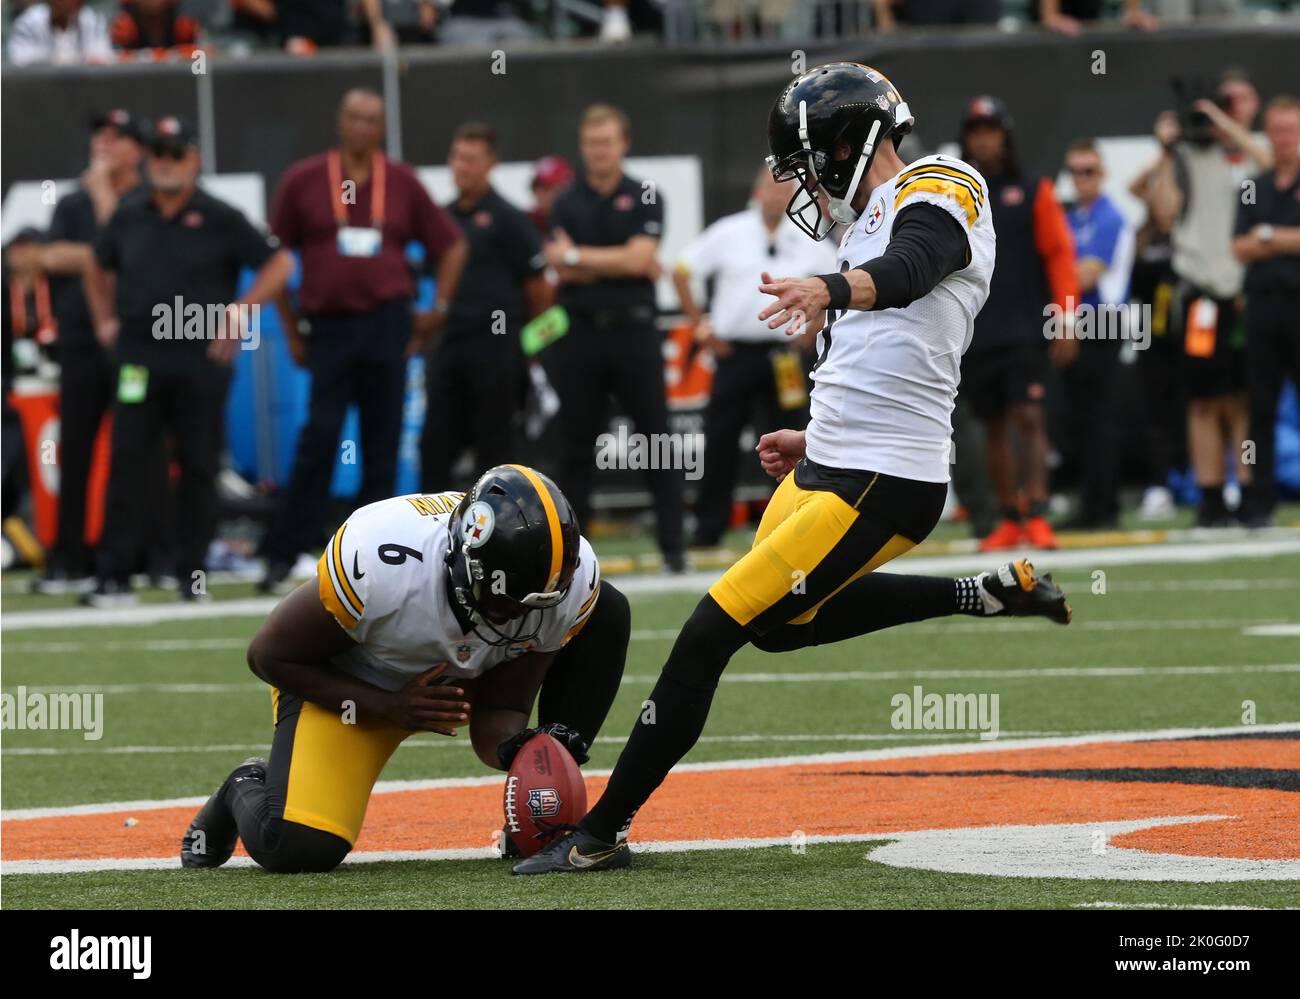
{"type": "Point", "coordinates": [552, 520]}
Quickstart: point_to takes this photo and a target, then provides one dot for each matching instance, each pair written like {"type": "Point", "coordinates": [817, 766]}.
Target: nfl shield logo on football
{"type": "Point", "coordinates": [875, 215]}
{"type": "Point", "coordinates": [543, 801]}
{"type": "Point", "coordinates": [464, 651]}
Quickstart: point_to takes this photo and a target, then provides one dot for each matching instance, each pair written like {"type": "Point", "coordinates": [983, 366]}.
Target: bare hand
{"type": "Point", "coordinates": [1166, 128]}
{"type": "Point", "coordinates": [223, 346]}
{"type": "Point", "coordinates": [107, 331]}
{"type": "Point", "coordinates": [708, 339]}
{"type": "Point", "coordinates": [1064, 352]}
{"type": "Point", "coordinates": [1062, 24]}
{"type": "Point", "coordinates": [556, 247]}
{"type": "Point", "coordinates": [800, 305]}
{"type": "Point", "coordinates": [423, 705]}
{"type": "Point", "coordinates": [780, 451]}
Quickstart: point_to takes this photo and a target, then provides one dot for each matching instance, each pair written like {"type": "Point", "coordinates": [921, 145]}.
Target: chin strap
{"type": "Point", "coordinates": [841, 209]}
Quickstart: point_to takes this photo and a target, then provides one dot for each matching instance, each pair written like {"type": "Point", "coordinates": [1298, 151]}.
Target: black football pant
{"type": "Point", "coordinates": [474, 383]}
{"type": "Point", "coordinates": [1092, 440]}
{"type": "Point", "coordinates": [620, 355]}
{"type": "Point", "coordinates": [87, 382]}
{"type": "Point", "coordinates": [577, 691]}
{"type": "Point", "coordinates": [1272, 356]}
{"type": "Point", "coordinates": [744, 383]}
{"type": "Point", "coordinates": [352, 358]}
{"type": "Point", "coordinates": [188, 407]}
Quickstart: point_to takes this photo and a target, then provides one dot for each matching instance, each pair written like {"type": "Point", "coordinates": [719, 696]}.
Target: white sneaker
{"type": "Point", "coordinates": [615, 27]}
{"type": "Point", "coordinates": [1157, 503]}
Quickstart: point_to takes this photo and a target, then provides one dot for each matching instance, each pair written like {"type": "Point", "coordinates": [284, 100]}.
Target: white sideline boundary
{"type": "Point", "coordinates": [698, 582]}
{"type": "Point", "coordinates": [382, 787]}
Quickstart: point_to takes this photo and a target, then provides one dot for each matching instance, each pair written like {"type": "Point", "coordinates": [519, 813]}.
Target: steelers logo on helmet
{"type": "Point", "coordinates": [477, 523]}
{"type": "Point", "coordinates": [823, 133]}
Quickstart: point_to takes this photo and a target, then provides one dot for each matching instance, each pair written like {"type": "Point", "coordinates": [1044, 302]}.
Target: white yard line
{"type": "Point", "coordinates": [740, 676]}
{"type": "Point", "coordinates": [853, 756]}
{"type": "Point", "coordinates": [1277, 543]}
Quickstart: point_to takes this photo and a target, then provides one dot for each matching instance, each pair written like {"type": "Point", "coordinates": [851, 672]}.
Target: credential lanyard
{"type": "Point", "coordinates": [378, 184]}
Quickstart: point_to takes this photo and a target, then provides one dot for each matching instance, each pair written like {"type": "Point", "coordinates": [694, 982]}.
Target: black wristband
{"type": "Point", "coordinates": [838, 286]}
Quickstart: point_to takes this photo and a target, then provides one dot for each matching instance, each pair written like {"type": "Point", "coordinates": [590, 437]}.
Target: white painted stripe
{"type": "Point", "coordinates": [855, 756]}
{"type": "Point", "coordinates": [741, 676]}
{"type": "Point", "coordinates": [1047, 850]}
{"type": "Point", "coordinates": [954, 624]}
{"type": "Point", "coordinates": [1171, 905]}
{"type": "Point", "coordinates": [1273, 630]}
{"type": "Point", "coordinates": [453, 743]}
{"type": "Point", "coordinates": [1281, 541]}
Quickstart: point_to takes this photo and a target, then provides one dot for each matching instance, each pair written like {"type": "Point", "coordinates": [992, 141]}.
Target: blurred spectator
{"type": "Point", "coordinates": [61, 32]}
{"type": "Point", "coordinates": [1268, 242]}
{"type": "Point", "coordinates": [308, 25]}
{"type": "Point", "coordinates": [1103, 243]}
{"type": "Point", "coordinates": [256, 20]}
{"type": "Point", "coordinates": [414, 22]}
{"type": "Point", "coordinates": [1185, 10]}
{"type": "Point", "coordinates": [154, 27]}
{"type": "Point", "coordinates": [551, 175]}
{"type": "Point", "coordinates": [169, 253]}
{"type": "Point", "coordinates": [1067, 17]}
{"type": "Point", "coordinates": [1197, 183]}
{"type": "Point", "coordinates": [923, 13]}
{"type": "Point", "coordinates": [350, 213]}
{"type": "Point", "coordinates": [1164, 407]}
{"type": "Point", "coordinates": [86, 372]}
{"type": "Point", "coordinates": [604, 242]}
{"type": "Point", "coordinates": [1005, 370]}
{"type": "Point", "coordinates": [481, 22]}
{"type": "Point", "coordinates": [474, 381]}
{"type": "Point", "coordinates": [755, 367]}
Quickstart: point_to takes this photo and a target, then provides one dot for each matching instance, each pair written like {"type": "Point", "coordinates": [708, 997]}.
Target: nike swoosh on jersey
{"type": "Point", "coordinates": [356, 568]}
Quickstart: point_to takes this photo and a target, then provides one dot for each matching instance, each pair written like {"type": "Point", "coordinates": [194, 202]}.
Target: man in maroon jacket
{"type": "Point", "coordinates": [350, 212]}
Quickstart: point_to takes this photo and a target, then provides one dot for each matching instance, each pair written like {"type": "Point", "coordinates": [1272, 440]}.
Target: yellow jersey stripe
{"type": "Point", "coordinates": [952, 172]}
{"type": "Point", "coordinates": [346, 590]}
{"type": "Point", "coordinates": [934, 185]}
{"type": "Point", "coordinates": [552, 519]}
{"type": "Point", "coordinates": [584, 616]}
{"type": "Point", "coordinates": [330, 598]}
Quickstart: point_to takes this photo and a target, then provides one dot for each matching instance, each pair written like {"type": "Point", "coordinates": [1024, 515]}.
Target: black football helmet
{"type": "Point", "coordinates": [512, 552]}
{"type": "Point", "coordinates": [841, 102]}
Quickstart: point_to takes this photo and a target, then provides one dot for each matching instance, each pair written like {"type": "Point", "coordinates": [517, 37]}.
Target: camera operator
{"type": "Point", "coordinates": [1197, 181]}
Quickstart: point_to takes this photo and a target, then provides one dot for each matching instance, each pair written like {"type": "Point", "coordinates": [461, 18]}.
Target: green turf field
{"type": "Point", "coordinates": [181, 709]}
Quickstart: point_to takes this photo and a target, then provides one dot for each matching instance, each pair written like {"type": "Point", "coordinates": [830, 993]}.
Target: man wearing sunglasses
{"type": "Point", "coordinates": [427, 613]}
{"type": "Point", "coordinates": [162, 291]}
{"type": "Point", "coordinates": [1104, 246]}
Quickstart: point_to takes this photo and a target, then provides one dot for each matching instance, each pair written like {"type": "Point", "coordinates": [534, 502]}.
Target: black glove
{"type": "Point", "coordinates": [567, 737]}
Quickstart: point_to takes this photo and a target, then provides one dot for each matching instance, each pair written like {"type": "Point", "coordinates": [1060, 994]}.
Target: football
{"type": "Point", "coordinates": [543, 789]}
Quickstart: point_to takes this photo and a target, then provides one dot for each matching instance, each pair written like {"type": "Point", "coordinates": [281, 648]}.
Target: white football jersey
{"type": "Point", "coordinates": [384, 579]}
{"type": "Point", "coordinates": [886, 381]}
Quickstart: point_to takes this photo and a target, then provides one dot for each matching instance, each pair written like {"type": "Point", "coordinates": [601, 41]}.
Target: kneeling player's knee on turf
{"type": "Point", "coordinates": [301, 849]}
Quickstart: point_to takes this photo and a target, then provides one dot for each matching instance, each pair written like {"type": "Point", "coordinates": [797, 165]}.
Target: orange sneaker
{"type": "Point", "coordinates": [1008, 534]}
{"type": "Point", "coordinates": [1039, 533]}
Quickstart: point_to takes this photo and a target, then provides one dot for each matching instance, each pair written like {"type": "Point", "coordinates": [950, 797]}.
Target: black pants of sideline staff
{"type": "Point", "coordinates": [189, 406]}
{"type": "Point", "coordinates": [1272, 356]}
{"type": "Point", "coordinates": [620, 355]}
{"type": "Point", "coordinates": [87, 381]}
{"type": "Point", "coordinates": [474, 383]}
{"type": "Point", "coordinates": [354, 358]}
{"type": "Point", "coordinates": [744, 391]}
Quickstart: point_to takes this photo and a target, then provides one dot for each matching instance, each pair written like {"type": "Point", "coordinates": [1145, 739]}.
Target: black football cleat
{"type": "Point", "coordinates": [212, 835]}
{"type": "Point", "coordinates": [1014, 590]}
{"type": "Point", "coordinates": [577, 852]}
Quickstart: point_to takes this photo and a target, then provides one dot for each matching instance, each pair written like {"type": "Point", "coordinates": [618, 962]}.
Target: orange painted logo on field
{"type": "Point", "coordinates": [1224, 800]}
